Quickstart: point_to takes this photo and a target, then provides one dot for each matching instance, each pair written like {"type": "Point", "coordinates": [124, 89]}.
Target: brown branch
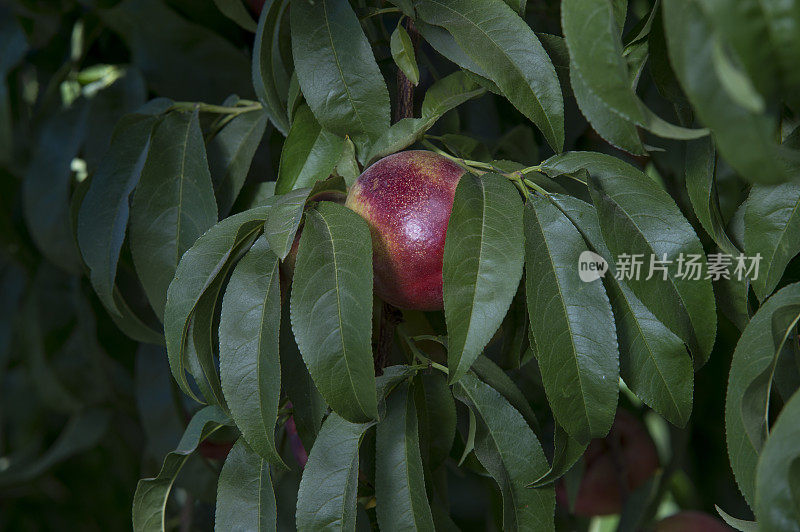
{"type": "Point", "coordinates": [405, 89]}
{"type": "Point", "coordinates": [390, 318]}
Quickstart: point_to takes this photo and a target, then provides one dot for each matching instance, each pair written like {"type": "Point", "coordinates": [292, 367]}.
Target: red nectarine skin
{"type": "Point", "coordinates": [599, 492]}
{"type": "Point", "coordinates": [690, 521]}
{"type": "Point", "coordinates": [406, 199]}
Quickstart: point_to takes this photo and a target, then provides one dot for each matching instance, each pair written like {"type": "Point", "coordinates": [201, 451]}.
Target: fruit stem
{"type": "Point", "coordinates": [427, 362]}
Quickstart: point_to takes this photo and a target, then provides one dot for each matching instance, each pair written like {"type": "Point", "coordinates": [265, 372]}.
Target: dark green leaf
{"type": "Point", "coordinates": [336, 69]}
{"type": "Point", "coordinates": [173, 204]}
{"type": "Point", "coordinates": [168, 49]}
{"type": "Point", "coordinates": [327, 496]}
{"type": "Point", "coordinates": [483, 258]}
{"type": "Point", "coordinates": [595, 50]}
{"type": "Point", "coordinates": [436, 414]}
{"type": "Point", "coordinates": [151, 495]}
{"type": "Point", "coordinates": [772, 229]}
{"type": "Point", "coordinates": [567, 451]}
{"type": "Point", "coordinates": [654, 362]}
{"type": "Point", "coordinates": [749, 384]}
{"type": "Point", "coordinates": [639, 217]}
{"type": "Point", "coordinates": [197, 271]}
{"type": "Point", "coordinates": [576, 343]}
{"type": "Point", "coordinates": [503, 45]}
{"type": "Point", "coordinates": [284, 219]}
{"type": "Point", "coordinates": [332, 309]}
{"type": "Point", "coordinates": [245, 498]}
{"type": "Point", "coordinates": [267, 66]}
{"type": "Point", "coordinates": [403, 54]}
{"type": "Point", "coordinates": [513, 467]}
{"type": "Point", "coordinates": [444, 95]}
{"type": "Point", "coordinates": [744, 138]}
{"type": "Point", "coordinates": [494, 376]}
{"type": "Point", "coordinates": [237, 12]}
{"type": "Point", "coordinates": [103, 216]}
{"type": "Point", "coordinates": [46, 187]}
{"type": "Point", "coordinates": [701, 163]}
{"type": "Point", "coordinates": [230, 154]}
{"type": "Point", "coordinates": [399, 483]}
{"type": "Point", "coordinates": [249, 364]}
{"type": "Point", "coordinates": [777, 498]}
{"type": "Point", "coordinates": [309, 154]}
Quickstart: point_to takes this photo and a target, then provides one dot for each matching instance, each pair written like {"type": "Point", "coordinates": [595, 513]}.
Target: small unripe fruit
{"type": "Point", "coordinates": [627, 456]}
{"type": "Point", "coordinates": [691, 522]}
{"type": "Point", "coordinates": [406, 199]}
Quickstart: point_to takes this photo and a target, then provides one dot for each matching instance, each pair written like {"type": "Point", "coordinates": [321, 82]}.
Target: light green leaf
{"type": "Point", "coordinates": [576, 342]}
{"type": "Point", "coordinates": [483, 258]}
{"type": "Point", "coordinates": [337, 70]}
{"type": "Point", "coordinates": [513, 466]}
{"type": "Point", "coordinates": [173, 204]}
{"type": "Point", "coordinates": [331, 308]}
{"type": "Point", "coordinates": [249, 363]}
{"type": "Point", "coordinates": [503, 46]}
{"type": "Point", "coordinates": [245, 498]}
{"type": "Point", "coordinates": [403, 53]}
{"type": "Point", "coordinates": [327, 496]}
{"type": "Point", "coordinates": [750, 382]}
{"type": "Point", "coordinates": [399, 483]}
{"type": "Point", "coordinates": [150, 499]}
{"type": "Point", "coordinates": [309, 154]}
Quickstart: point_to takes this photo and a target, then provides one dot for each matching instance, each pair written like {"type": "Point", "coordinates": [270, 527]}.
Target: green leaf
{"type": "Point", "coordinates": [150, 499]}
{"type": "Point", "coordinates": [267, 68]}
{"type": "Point", "coordinates": [245, 497]}
{"type": "Point", "coordinates": [772, 229]}
{"type": "Point", "coordinates": [595, 51]}
{"type": "Point", "coordinates": [168, 49]}
{"type": "Point", "coordinates": [750, 381]}
{"type": "Point", "coordinates": [284, 220]}
{"type": "Point", "coordinates": [197, 271]}
{"type": "Point", "coordinates": [638, 217]}
{"type": "Point", "coordinates": [230, 153]}
{"type": "Point", "coordinates": [403, 53]}
{"type": "Point", "coordinates": [103, 216]}
{"type": "Point", "coordinates": [336, 69]}
{"type": "Point", "coordinates": [777, 496]}
{"type": "Point", "coordinates": [309, 154]}
{"type": "Point", "coordinates": [701, 163]}
{"type": "Point", "coordinates": [500, 430]}
{"type": "Point", "coordinates": [744, 138]}
{"type": "Point", "coordinates": [494, 376]}
{"type": "Point", "coordinates": [567, 451]}
{"type": "Point", "coordinates": [46, 186]}
{"type": "Point", "coordinates": [443, 96]}
{"type": "Point", "coordinates": [503, 45]}
{"type": "Point", "coordinates": [173, 204]}
{"type": "Point", "coordinates": [331, 308]}
{"type": "Point", "coordinates": [436, 415]}
{"type": "Point", "coordinates": [573, 325]}
{"type": "Point", "coordinates": [612, 127]}
{"type": "Point", "coordinates": [237, 12]}
{"type": "Point", "coordinates": [399, 482]}
{"type": "Point", "coordinates": [249, 364]}
{"type": "Point", "coordinates": [654, 362]}
{"type": "Point", "coordinates": [327, 496]}
{"type": "Point", "coordinates": [738, 524]}
{"type": "Point", "coordinates": [483, 258]}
